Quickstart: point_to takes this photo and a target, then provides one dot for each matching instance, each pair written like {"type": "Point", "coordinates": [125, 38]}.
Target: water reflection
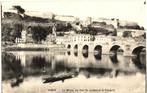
{"type": "Point", "coordinates": [12, 69]}
{"type": "Point", "coordinates": [17, 81]}
{"type": "Point", "coordinates": [38, 62]}
{"type": "Point", "coordinates": [76, 53]}
{"type": "Point", "coordinates": [88, 72]}
{"type": "Point", "coordinates": [68, 52]}
{"type": "Point", "coordinates": [85, 54]}
{"type": "Point", "coordinates": [114, 58]}
{"type": "Point", "coordinates": [98, 56]}
{"type": "Point", "coordinates": [55, 67]}
{"type": "Point", "coordinates": [140, 62]}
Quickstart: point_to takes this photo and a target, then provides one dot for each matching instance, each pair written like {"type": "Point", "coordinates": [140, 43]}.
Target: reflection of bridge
{"type": "Point", "coordinates": [78, 60]}
{"type": "Point", "coordinates": [108, 44]}
{"type": "Point", "coordinates": [47, 63]}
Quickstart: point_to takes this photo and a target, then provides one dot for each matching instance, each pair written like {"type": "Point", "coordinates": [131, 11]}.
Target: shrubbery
{"type": "Point", "coordinates": [11, 31]}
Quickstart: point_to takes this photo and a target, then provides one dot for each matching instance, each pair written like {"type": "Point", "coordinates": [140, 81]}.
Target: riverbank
{"type": "Point", "coordinates": [34, 47]}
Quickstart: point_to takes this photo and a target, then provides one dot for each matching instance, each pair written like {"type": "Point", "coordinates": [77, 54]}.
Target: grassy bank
{"type": "Point", "coordinates": [34, 48]}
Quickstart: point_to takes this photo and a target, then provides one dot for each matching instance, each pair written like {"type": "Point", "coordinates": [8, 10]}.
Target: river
{"type": "Point", "coordinates": [27, 71]}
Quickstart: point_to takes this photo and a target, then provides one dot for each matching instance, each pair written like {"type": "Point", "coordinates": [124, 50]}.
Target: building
{"type": "Point", "coordinates": [26, 37]}
{"type": "Point", "coordinates": [50, 39]}
{"type": "Point", "coordinates": [134, 32]}
{"type": "Point", "coordinates": [23, 38]}
{"type": "Point", "coordinates": [79, 38]}
{"type": "Point", "coordinates": [113, 22]}
{"type": "Point", "coordinates": [84, 39]}
{"type": "Point", "coordinates": [61, 39]}
{"type": "Point", "coordinates": [40, 14]}
{"type": "Point", "coordinates": [66, 18]}
{"type": "Point", "coordinates": [75, 38]}
{"type": "Point", "coordinates": [86, 21]}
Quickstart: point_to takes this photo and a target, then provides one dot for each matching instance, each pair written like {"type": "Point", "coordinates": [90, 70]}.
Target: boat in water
{"type": "Point", "coordinates": [62, 76]}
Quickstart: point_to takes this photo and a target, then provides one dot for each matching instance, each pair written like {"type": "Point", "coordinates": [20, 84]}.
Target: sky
{"type": "Point", "coordinates": [131, 10]}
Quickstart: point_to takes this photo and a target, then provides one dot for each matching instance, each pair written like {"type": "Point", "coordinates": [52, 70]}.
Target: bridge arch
{"type": "Point", "coordinates": [137, 50]}
{"type": "Point", "coordinates": [114, 49]}
{"type": "Point", "coordinates": [98, 50]}
{"type": "Point", "coordinates": [68, 46]}
{"type": "Point", "coordinates": [85, 48]}
{"type": "Point", "coordinates": [76, 46]}
{"type": "Point", "coordinates": [97, 56]}
{"type": "Point", "coordinates": [140, 62]}
{"type": "Point", "coordinates": [29, 29]}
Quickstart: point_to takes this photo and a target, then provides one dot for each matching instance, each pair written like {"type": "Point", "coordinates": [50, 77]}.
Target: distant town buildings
{"type": "Point", "coordinates": [79, 38]}
{"type": "Point", "coordinates": [66, 18]}
{"type": "Point", "coordinates": [133, 32]}
{"type": "Point", "coordinates": [23, 38]}
{"type": "Point", "coordinates": [113, 22]}
{"type": "Point", "coordinates": [70, 36]}
{"type": "Point", "coordinates": [40, 14]}
{"type": "Point", "coordinates": [87, 21]}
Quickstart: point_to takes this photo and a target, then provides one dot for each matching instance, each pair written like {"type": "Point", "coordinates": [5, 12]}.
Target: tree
{"type": "Point", "coordinates": [127, 34]}
{"type": "Point", "coordinates": [19, 9]}
{"type": "Point", "coordinates": [144, 35]}
{"type": "Point", "coordinates": [6, 32]}
{"type": "Point", "coordinates": [17, 29]}
{"type": "Point", "coordinates": [39, 33]}
{"type": "Point", "coordinates": [53, 17]}
{"type": "Point", "coordinates": [11, 31]}
{"type": "Point", "coordinates": [114, 33]}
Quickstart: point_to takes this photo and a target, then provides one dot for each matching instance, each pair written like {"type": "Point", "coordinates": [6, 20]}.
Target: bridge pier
{"type": "Point", "coordinates": [127, 53]}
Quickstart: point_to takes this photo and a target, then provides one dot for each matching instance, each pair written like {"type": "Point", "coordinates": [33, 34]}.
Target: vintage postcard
{"type": "Point", "coordinates": [73, 46]}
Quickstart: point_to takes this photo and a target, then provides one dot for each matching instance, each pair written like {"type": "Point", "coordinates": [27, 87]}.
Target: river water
{"type": "Point", "coordinates": [28, 72]}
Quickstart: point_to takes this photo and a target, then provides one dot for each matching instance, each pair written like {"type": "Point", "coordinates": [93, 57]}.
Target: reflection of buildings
{"type": "Point", "coordinates": [20, 55]}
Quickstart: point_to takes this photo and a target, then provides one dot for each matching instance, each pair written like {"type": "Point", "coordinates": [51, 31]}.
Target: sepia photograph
{"type": "Point", "coordinates": [73, 46]}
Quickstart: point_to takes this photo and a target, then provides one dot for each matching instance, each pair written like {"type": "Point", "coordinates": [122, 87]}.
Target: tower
{"type": "Point", "coordinates": [88, 20]}
{"type": "Point", "coordinates": [54, 31]}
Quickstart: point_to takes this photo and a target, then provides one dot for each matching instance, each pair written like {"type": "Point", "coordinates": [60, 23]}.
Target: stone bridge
{"type": "Point", "coordinates": [128, 46]}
